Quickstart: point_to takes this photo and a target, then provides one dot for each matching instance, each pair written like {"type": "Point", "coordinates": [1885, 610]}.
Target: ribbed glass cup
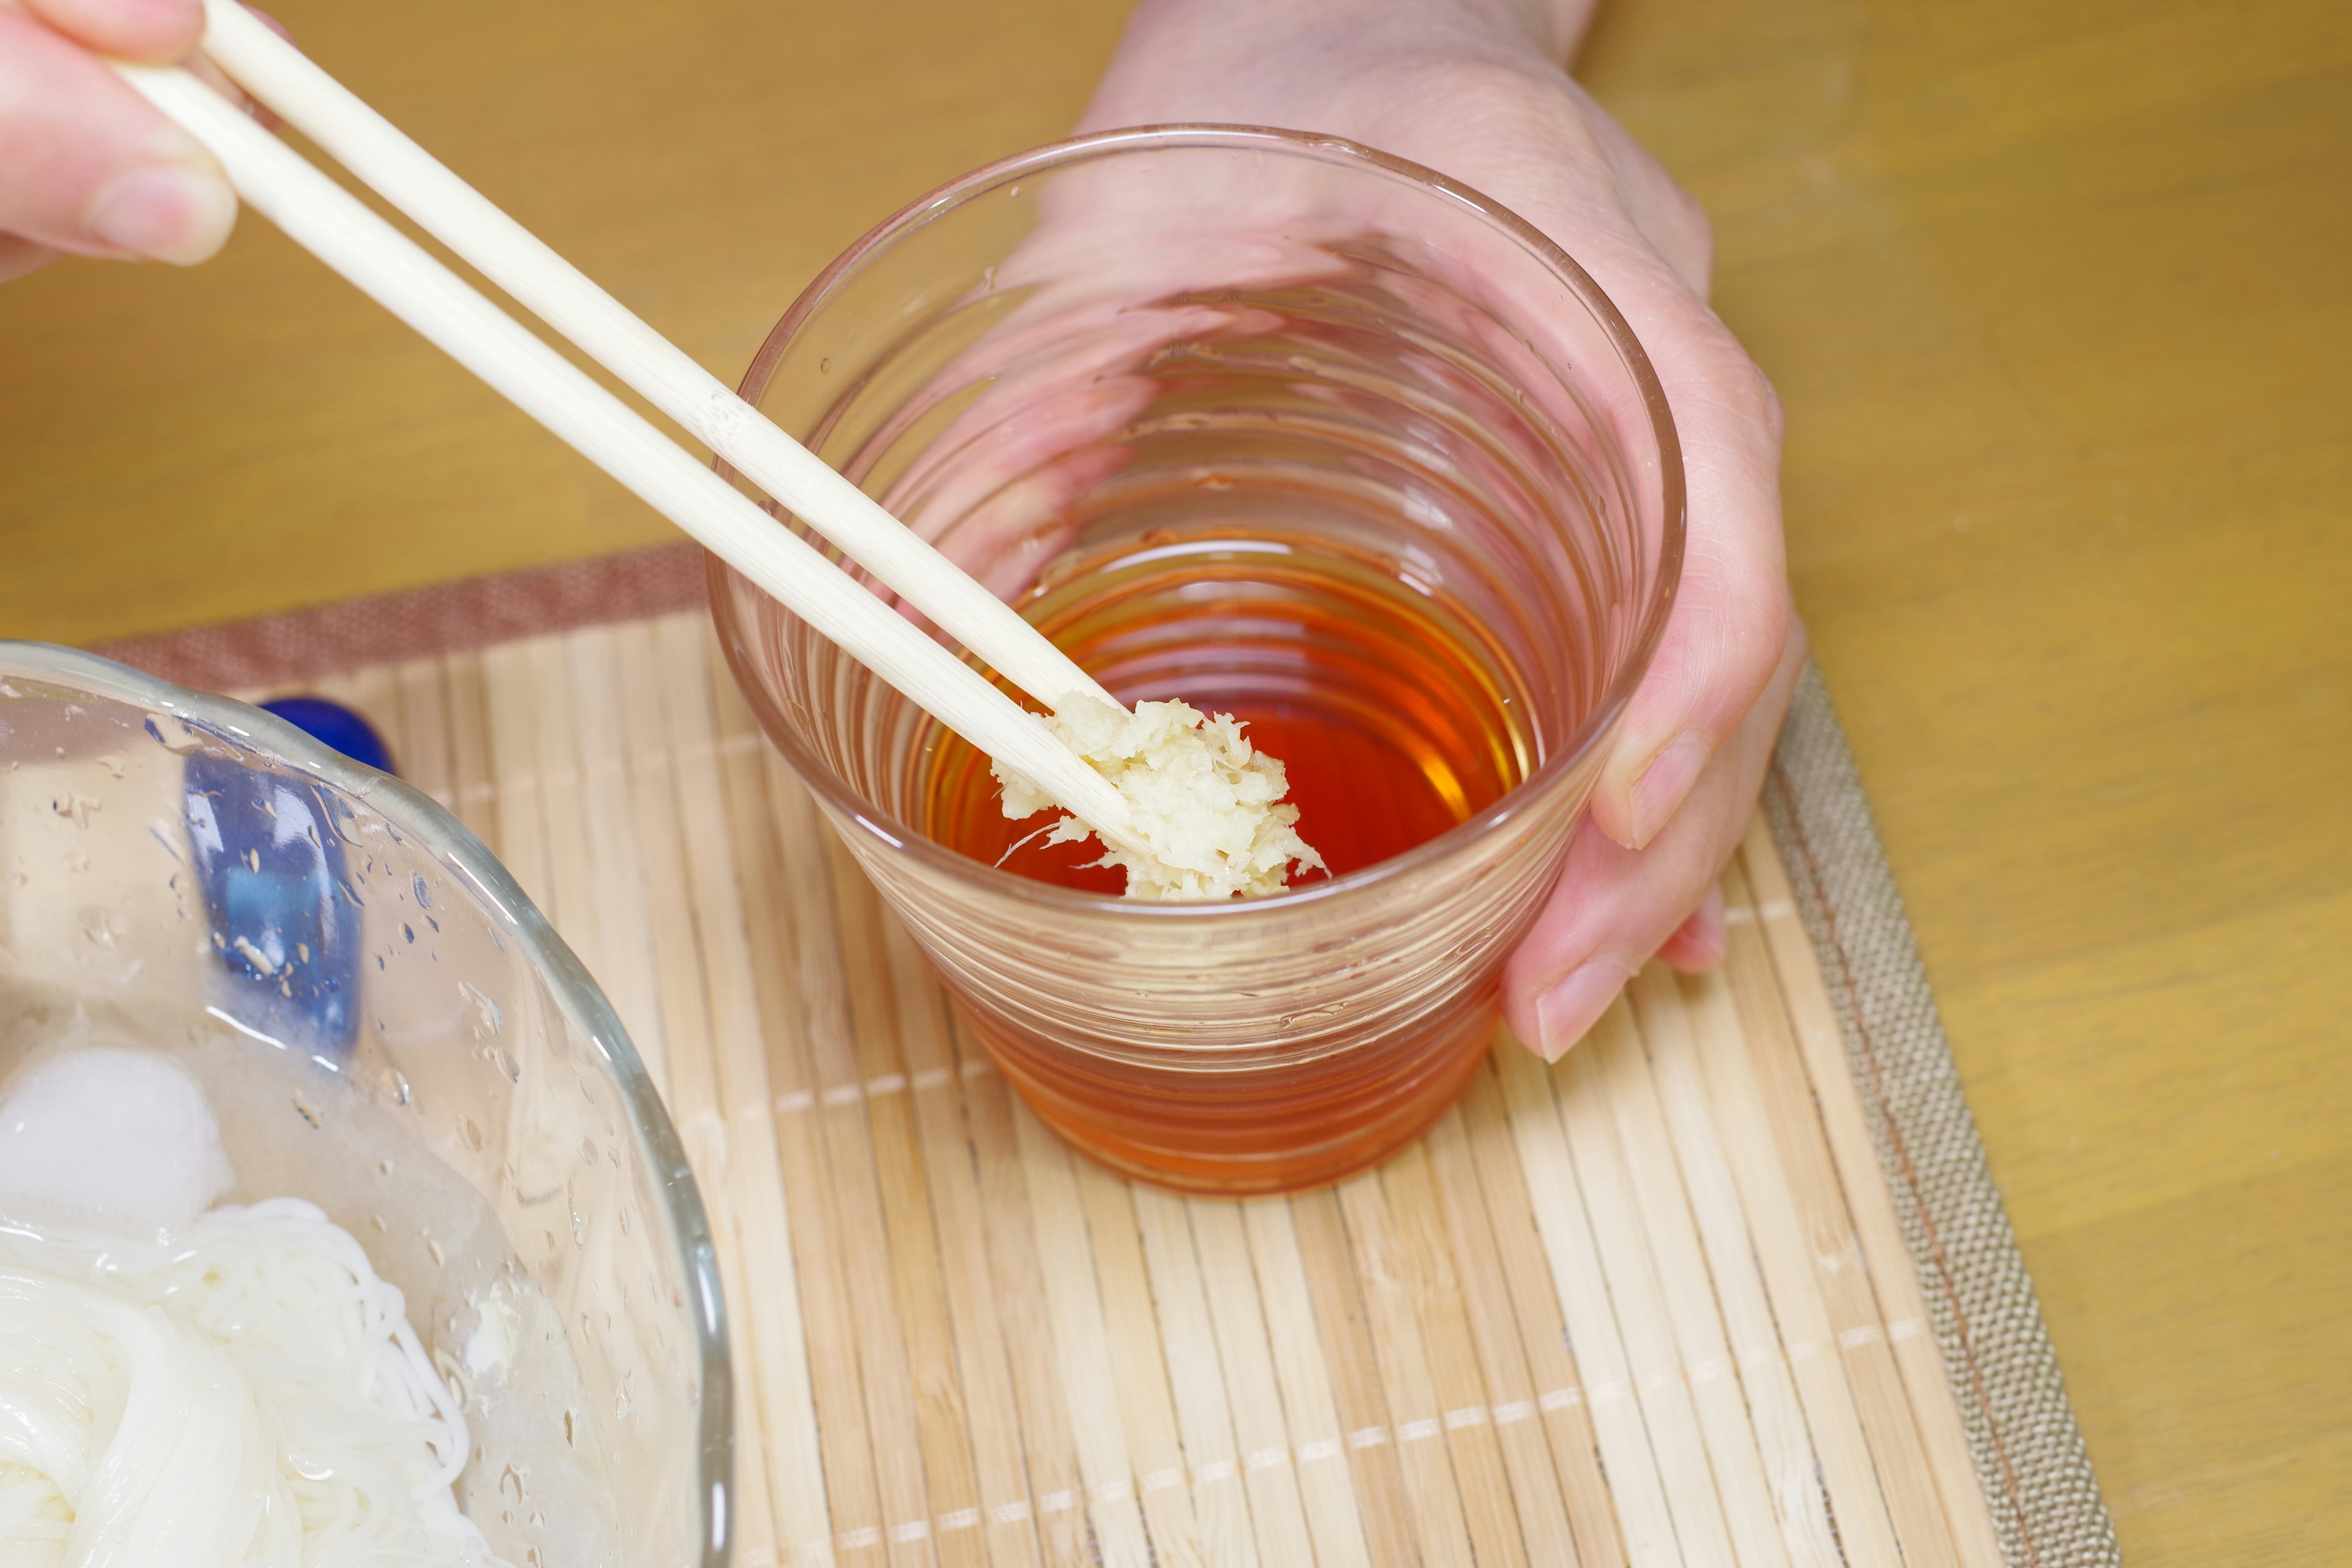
{"type": "Point", "coordinates": [1312, 377]}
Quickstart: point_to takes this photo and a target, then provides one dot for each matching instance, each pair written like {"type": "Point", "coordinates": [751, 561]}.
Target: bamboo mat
{"type": "Point", "coordinates": [1653, 1306]}
{"type": "Point", "coordinates": [1731, 1286]}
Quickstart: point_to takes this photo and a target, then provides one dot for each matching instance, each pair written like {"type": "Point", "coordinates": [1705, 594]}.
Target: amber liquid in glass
{"type": "Point", "coordinates": [1395, 720]}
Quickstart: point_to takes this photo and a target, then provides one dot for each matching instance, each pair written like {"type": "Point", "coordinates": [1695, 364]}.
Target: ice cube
{"type": "Point", "coordinates": [115, 1134]}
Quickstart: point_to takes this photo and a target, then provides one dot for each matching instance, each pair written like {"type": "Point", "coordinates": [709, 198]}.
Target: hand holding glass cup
{"type": "Point", "coordinates": [1291, 430]}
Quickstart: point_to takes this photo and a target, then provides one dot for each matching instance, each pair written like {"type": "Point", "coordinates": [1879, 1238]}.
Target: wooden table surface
{"type": "Point", "coordinates": [2057, 298]}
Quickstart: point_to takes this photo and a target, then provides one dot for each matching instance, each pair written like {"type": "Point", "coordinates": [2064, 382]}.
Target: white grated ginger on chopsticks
{"type": "Point", "coordinates": [1206, 802]}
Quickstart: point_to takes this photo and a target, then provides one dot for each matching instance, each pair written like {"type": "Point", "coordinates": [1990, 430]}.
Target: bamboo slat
{"type": "Point", "coordinates": [1402, 1354]}
{"type": "Point", "coordinates": [424, 723]}
{"type": "Point", "coordinates": [1278, 1512]}
{"type": "Point", "coordinates": [1785, 1258]}
{"type": "Point", "coordinates": [1543, 1336]}
{"type": "Point", "coordinates": [1692, 1308]}
{"type": "Point", "coordinates": [1925, 1376]}
{"type": "Point", "coordinates": [1790, 1473]}
{"type": "Point", "coordinates": [1345, 1336]}
{"type": "Point", "coordinates": [1621, 1437]}
{"type": "Point", "coordinates": [1887, 1415]}
{"type": "Point", "coordinates": [1690, 1457]}
{"type": "Point", "coordinates": [1013, 1272]}
{"type": "Point", "coordinates": [1483, 1282]}
{"type": "Point", "coordinates": [1316, 1439]}
{"type": "Point", "coordinates": [1650, 1308]}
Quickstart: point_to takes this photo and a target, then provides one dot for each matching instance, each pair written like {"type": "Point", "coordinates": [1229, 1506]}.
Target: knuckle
{"type": "Point", "coordinates": [1744, 392]}
{"type": "Point", "coordinates": [1768, 398]}
{"type": "Point", "coordinates": [1682, 215]}
{"type": "Point", "coordinates": [1752, 632]}
{"type": "Point", "coordinates": [1749, 389]}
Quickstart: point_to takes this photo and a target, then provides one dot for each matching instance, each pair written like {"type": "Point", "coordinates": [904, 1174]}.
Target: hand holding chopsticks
{"type": "Point", "coordinates": [341, 231]}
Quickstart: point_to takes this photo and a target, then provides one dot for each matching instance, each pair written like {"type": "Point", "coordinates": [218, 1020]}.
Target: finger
{"type": "Point", "coordinates": [1699, 943]}
{"type": "Point", "coordinates": [1615, 907]}
{"type": "Point", "coordinates": [19, 257]}
{"type": "Point", "coordinates": [213, 77]}
{"type": "Point", "coordinates": [1664, 214]}
{"type": "Point", "coordinates": [218, 80]}
{"type": "Point", "coordinates": [1726, 635]}
{"type": "Point", "coordinates": [87, 165]}
{"type": "Point", "coordinates": [157, 31]}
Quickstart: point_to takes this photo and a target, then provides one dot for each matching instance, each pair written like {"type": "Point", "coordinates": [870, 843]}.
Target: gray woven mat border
{"type": "Point", "coordinates": [2029, 1452]}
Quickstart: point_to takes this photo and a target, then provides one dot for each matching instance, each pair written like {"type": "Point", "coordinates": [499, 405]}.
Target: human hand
{"type": "Point", "coordinates": [1470, 88]}
{"type": "Point", "coordinates": [86, 164]}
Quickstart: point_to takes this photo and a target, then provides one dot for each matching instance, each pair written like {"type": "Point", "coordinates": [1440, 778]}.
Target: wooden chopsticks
{"type": "Point", "coordinates": [352, 239]}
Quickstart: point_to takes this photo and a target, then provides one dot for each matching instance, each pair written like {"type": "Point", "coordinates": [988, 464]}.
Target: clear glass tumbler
{"type": "Point", "coordinates": [1253, 415]}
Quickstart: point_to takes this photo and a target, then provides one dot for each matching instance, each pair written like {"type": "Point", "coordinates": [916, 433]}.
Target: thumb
{"type": "Point", "coordinates": [87, 165]}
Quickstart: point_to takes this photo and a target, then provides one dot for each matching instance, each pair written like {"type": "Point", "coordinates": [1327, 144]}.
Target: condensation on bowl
{"type": "Point", "coordinates": [385, 1027]}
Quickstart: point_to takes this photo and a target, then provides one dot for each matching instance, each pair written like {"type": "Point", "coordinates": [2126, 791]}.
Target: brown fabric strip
{"type": "Point", "coordinates": [448, 617]}
{"type": "Point", "coordinates": [2029, 1452]}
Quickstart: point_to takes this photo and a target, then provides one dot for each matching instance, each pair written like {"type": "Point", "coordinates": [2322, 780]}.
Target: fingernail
{"type": "Point", "coordinates": [1566, 1011]}
{"type": "Point", "coordinates": [1664, 783]}
{"type": "Point", "coordinates": [175, 214]}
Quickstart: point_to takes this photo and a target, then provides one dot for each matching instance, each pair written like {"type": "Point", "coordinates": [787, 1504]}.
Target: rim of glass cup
{"type": "Point", "coordinates": [422, 818]}
{"type": "Point", "coordinates": [908, 840]}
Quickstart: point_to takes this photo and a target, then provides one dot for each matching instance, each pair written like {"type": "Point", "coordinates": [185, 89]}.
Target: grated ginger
{"type": "Point", "coordinates": [1206, 802]}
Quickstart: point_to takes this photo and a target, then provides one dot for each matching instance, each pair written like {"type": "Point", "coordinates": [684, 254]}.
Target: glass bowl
{"type": "Point", "coordinates": [1264, 392]}
{"type": "Point", "coordinates": [386, 1027]}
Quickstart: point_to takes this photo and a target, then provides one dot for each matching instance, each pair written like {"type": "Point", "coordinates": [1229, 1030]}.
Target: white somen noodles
{"type": "Point", "coordinates": [240, 1389]}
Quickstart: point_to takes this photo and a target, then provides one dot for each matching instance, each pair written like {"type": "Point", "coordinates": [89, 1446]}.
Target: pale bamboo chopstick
{"type": "Point", "coordinates": [341, 231]}
{"type": "Point", "coordinates": [294, 87]}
